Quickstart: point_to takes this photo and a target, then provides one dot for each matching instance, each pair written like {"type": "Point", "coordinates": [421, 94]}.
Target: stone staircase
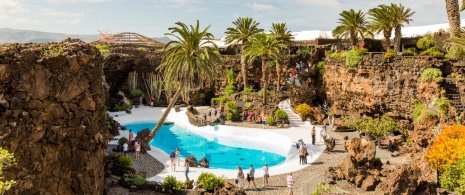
{"type": "Point", "coordinates": [294, 118]}
{"type": "Point", "coordinates": [453, 94]}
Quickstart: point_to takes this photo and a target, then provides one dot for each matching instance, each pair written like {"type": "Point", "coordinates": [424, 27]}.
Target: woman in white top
{"type": "Point", "coordinates": [266, 175]}
{"type": "Point", "coordinates": [177, 156]}
{"type": "Point", "coordinates": [137, 146]}
{"type": "Point", "coordinates": [240, 177]}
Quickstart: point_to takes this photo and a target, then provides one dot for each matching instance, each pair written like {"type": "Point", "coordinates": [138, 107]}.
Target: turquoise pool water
{"type": "Point", "coordinates": [170, 137]}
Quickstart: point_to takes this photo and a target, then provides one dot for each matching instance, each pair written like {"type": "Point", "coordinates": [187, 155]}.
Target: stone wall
{"type": "Point", "coordinates": [377, 86]}
{"type": "Point", "coordinates": [52, 117]}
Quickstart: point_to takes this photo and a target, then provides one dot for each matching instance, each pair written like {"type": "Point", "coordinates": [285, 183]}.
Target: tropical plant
{"type": "Point", "coordinates": [7, 159]}
{"type": "Point", "coordinates": [170, 183]}
{"type": "Point", "coordinates": [135, 92]}
{"type": "Point", "coordinates": [122, 140]}
{"type": "Point", "coordinates": [411, 51]}
{"type": "Point", "coordinates": [453, 178]}
{"type": "Point", "coordinates": [453, 15]}
{"type": "Point", "coordinates": [264, 46]}
{"type": "Point", "coordinates": [353, 57]}
{"type": "Point", "coordinates": [132, 80]}
{"type": "Point", "coordinates": [187, 59]}
{"type": "Point", "coordinates": [125, 161]}
{"type": "Point", "coordinates": [134, 179]}
{"type": "Point", "coordinates": [432, 51]}
{"type": "Point", "coordinates": [104, 49]}
{"type": "Point", "coordinates": [215, 100]}
{"type": "Point", "coordinates": [401, 15]}
{"type": "Point", "coordinates": [231, 104]}
{"type": "Point", "coordinates": [282, 35]}
{"type": "Point", "coordinates": [389, 54]}
{"type": "Point", "coordinates": [376, 126]}
{"type": "Point", "coordinates": [442, 105]}
{"type": "Point", "coordinates": [249, 105]}
{"type": "Point", "coordinates": [448, 147]}
{"type": "Point", "coordinates": [281, 114]}
{"type": "Point", "coordinates": [247, 91]}
{"type": "Point", "coordinates": [456, 53]}
{"type": "Point", "coordinates": [426, 41]}
{"type": "Point", "coordinates": [223, 99]}
{"type": "Point", "coordinates": [231, 76]}
{"type": "Point", "coordinates": [382, 20]}
{"type": "Point", "coordinates": [322, 188]}
{"type": "Point", "coordinates": [244, 28]}
{"type": "Point", "coordinates": [229, 116]}
{"type": "Point", "coordinates": [303, 109]}
{"type": "Point", "coordinates": [321, 68]}
{"type": "Point", "coordinates": [352, 25]}
{"type": "Point", "coordinates": [269, 120]}
{"type": "Point", "coordinates": [419, 107]}
{"type": "Point", "coordinates": [54, 50]}
{"type": "Point", "coordinates": [154, 85]}
{"type": "Point", "coordinates": [430, 74]}
{"type": "Point", "coordinates": [209, 181]}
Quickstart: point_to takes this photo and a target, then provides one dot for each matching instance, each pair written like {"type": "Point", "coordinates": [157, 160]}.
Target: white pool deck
{"type": "Point", "coordinates": [275, 140]}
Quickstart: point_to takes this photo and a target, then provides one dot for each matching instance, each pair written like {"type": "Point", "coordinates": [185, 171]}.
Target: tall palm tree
{"type": "Point", "coordinates": [352, 25]}
{"type": "Point", "coordinates": [453, 15]}
{"type": "Point", "coordinates": [401, 15]}
{"type": "Point", "coordinates": [266, 47]}
{"type": "Point", "coordinates": [243, 30]}
{"type": "Point", "coordinates": [189, 55]}
{"type": "Point", "coordinates": [282, 35]}
{"type": "Point", "coordinates": [382, 21]}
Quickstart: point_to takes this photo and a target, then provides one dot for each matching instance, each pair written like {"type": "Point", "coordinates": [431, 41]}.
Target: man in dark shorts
{"type": "Point", "coordinates": [251, 177]}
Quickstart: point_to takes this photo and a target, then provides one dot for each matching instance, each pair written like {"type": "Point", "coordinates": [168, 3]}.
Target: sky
{"type": "Point", "coordinates": [153, 17]}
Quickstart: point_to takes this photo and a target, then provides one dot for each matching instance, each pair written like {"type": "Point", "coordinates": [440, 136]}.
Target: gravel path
{"type": "Point", "coordinates": [146, 162]}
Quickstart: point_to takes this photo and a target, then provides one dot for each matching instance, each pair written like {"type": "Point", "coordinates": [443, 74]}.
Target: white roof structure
{"type": "Point", "coordinates": [415, 31]}
{"type": "Point", "coordinates": [310, 35]}
{"type": "Point", "coordinates": [219, 43]}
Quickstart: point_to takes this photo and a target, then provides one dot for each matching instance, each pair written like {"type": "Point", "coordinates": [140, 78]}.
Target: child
{"type": "Point", "coordinates": [186, 164]}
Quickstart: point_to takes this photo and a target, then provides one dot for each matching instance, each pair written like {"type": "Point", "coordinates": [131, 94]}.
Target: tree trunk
{"type": "Point", "coordinates": [244, 67]}
{"type": "Point", "coordinates": [397, 38]}
{"type": "Point", "coordinates": [387, 36]}
{"type": "Point", "coordinates": [265, 76]}
{"type": "Point", "coordinates": [165, 113]}
{"type": "Point", "coordinates": [278, 71]}
{"type": "Point", "coordinates": [453, 15]}
{"type": "Point", "coordinates": [353, 40]}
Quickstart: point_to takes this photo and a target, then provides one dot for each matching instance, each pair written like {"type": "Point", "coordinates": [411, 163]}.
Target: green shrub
{"type": "Point", "coordinates": [452, 75]}
{"type": "Point", "coordinates": [427, 114]}
{"type": "Point", "coordinates": [195, 111]}
{"type": "Point", "coordinates": [246, 99]}
{"type": "Point", "coordinates": [374, 126]}
{"type": "Point", "coordinates": [54, 50]}
{"type": "Point", "coordinates": [389, 54]}
{"type": "Point", "coordinates": [235, 113]}
{"type": "Point", "coordinates": [260, 93]}
{"type": "Point", "coordinates": [411, 51]}
{"type": "Point", "coordinates": [134, 179]}
{"type": "Point", "coordinates": [273, 94]}
{"type": "Point", "coordinates": [353, 57]}
{"type": "Point", "coordinates": [230, 87]}
{"type": "Point", "coordinates": [231, 77]}
{"type": "Point", "coordinates": [430, 74]}
{"type": "Point", "coordinates": [321, 68]}
{"type": "Point", "coordinates": [426, 41]}
{"type": "Point", "coordinates": [247, 91]}
{"type": "Point", "coordinates": [456, 53]}
{"type": "Point", "coordinates": [433, 51]}
{"type": "Point", "coordinates": [303, 109]}
{"type": "Point", "coordinates": [170, 183]}
{"type": "Point", "coordinates": [125, 160]}
{"type": "Point", "coordinates": [329, 53]}
{"type": "Point", "coordinates": [135, 92]}
{"type": "Point", "coordinates": [281, 114]}
{"type": "Point", "coordinates": [229, 116]}
{"type": "Point", "coordinates": [209, 181]}
{"type": "Point", "coordinates": [223, 99]}
{"type": "Point", "coordinates": [321, 188]}
{"type": "Point", "coordinates": [201, 95]}
{"type": "Point", "coordinates": [249, 105]}
{"type": "Point", "coordinates": [231, 104]}
{"type": "Point", "coordinates": [103, 48]}
{"type": "Point", "coordinates": [122, 140]}
{"type": "Point", "coordinates": [419, 107]}
{"type": "Point", "coordinates": [119, 107]}
{"type": "Point", "coordinates": [336, 55]}
{"type": "Point", "coordinates": [453, 178]}
{"type": "Point", "coordinates": [272, 64]}
{"type": "Point", "coordinates": [269, 120]}
{"type": "Point", "coordinates": [215, 100]}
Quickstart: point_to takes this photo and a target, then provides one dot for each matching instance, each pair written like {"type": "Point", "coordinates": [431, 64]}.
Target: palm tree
{"type": "Point", "coordinates": [453, 15]}
{"type": "Point", "coordinates": [352, 25]}
{"type": "Point", "coordinates": [266, 47]}
{"type": "Point", "coordinates": [401, 15]}
{"type": "Point", "coordinates": [189, 55]}
{"type": "Point", "coordinates": [282, 35]}
{"type": "Point", "coordinates": [382, 21]}
{"type": "Point", "coordinates": [243, 30]}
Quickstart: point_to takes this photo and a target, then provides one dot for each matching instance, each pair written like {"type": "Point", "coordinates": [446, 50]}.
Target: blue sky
{"type": "Point", "coordinates": [153, 17]}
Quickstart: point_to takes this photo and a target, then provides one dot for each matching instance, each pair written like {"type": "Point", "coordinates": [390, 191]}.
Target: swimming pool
{"type": "Point", "coordinates": [221, 152]}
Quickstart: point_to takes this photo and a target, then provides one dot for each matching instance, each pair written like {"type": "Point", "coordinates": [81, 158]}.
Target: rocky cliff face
{"type": "Point", "coordinates": [377, 86]}
{"type": "Point", "coordinates": [52, 117]}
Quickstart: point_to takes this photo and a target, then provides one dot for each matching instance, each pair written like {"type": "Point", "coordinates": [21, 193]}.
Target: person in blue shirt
{"type": "Point", "coordinates": [173, 160]}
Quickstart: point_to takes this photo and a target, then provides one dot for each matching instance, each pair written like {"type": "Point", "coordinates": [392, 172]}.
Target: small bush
{"type": "Point", "coordinates": [321, 188]}
{"type": "Point", "coordinates": [389, 54]}
{"type": "Point", "coordinates": [303, 109]}
{"type": "Point", "coordinates": [122, 140]}
{"type": "Point", "coordinates": [419, 107]}
{"type": "Point", "coordinates": [433, 51]}
{"type": "Point", "coordinates": [269, 120]}
{"type": "Point", "coordinates": [442, 105]}
{"type": "Point", "coordinates": [230, 87]}
{"type": "Point", "coordinates": [229, 116]}
{"type": "Point", "coordinates": [329, 53]}
{"type": "Point", "coordinates": [448, 147]}
{"type": "Point", "coordinates": [456, 53]}
{"type": "Point", "coordinates": [281, 114]}
{"type": "Point", "coordinates": [246, 99]}
{"type": "Point", "coordinates": [426, 42]}
{"type": "Point", "coordinates": [209, 181]}
{"type": "Point", "coordinates": [135, 92]}
{"type": "Point", "coordinates": [134, 179]}
{"type": "Point", "coordinates": [321, 68]}
{"type": "Point", "coordinates": [231, 77]}
{"type": "Point", "coordinates": [54, 50]}
{"type": "Point", "coordinates": [249, 105]}
{"type": "Point", "coordinates": [125, 160]}
{"type": "Point", "coordinates": [272, 64]}
{"type": "Point", "coordinates": [170, 183]}
{"type": "Point", "coordinates": [353, 57]}
{"type": "Point", "coordinates": [235, 113]}
{"type": "Point", "coordinates": [119, 107]}
{"type": "Point", "coordinates": [103, 48]}
{"type": "Point", "coordinates": [247, 91]}
{"type": "Point", "coordinates": [427, 114]}
{"type": "Point", "coordinates": [223, 99]}
{"type": "Point", "coordinates": [201, 95]}
{"type": "Point", "coordinates": [215, 100]}
{"type": "Point", "coordinates": [260, 93]}
{"type": "Point", "coordinates": [411, 51]}
{"type": "Point", "coordinates": [453, 178]}
{"type": "Point", "coordinates": [452, 75]}
{"type": "Point", "coordinates": [231, 104]}
{"type": "Point", "coordinates": [430, 74]}
{"type": "Point", "coordinates": [336, 55]}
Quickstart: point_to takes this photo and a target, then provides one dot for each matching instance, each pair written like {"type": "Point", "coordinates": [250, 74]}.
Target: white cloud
{"type": "Point", "coordinates": [196, 10]}
{"type": "Point", "coordinates": [259, 7]}
{"type": "Point", "coordinates": [74, 1]}
{"type": "Point", "coordinates": [11, 6]}
{"type": "Point", "coordinates": [322, 3]}
{"type": "Point", "coordinates": [48, 12]}
{"type": "Point", "coordinates": [72, 21]}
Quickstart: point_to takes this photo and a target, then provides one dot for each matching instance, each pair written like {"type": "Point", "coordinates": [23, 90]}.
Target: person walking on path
{"type": "Point", "coordinates": [173, 162]}
{"type": "Point", "coordinates": [186, 164]}
{"type": "Point", "coordinates": [304, 147]}
{"type": "Point", "coordinates": [137, 146]}
{"type": "Point", "coordinates": [177, 157]}
{"type": "Point", "coordinates": [240, 177]}
{"type": "Point", "coordinates": [125, 148]}
{"type": "Point", "coordinates": [323, 134]}
{"type": "Point", "coordinates": [215, 111]}
{"type": "Point", "coordinates": [290, 183]}
{"type": "Point", "coordinates": [152, 101]}
{"type": "Point", "coordinates": [141, 99]}
{"type": "Point", "coordinates": [301, 155]}
{"type": "Point", "coordinates": [131, 135]}
{"type": "Point", "coordinates": [251, 177]}
{"type": "Point", "coordinates": [263, 121]}
{"type": "Point", "coordinates": [313, 135]}
{"type": "Point", "coordinates": [265, 176]}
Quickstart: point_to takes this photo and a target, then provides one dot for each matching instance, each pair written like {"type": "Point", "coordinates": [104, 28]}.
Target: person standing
{"type": "Point", "coordinates": [251, 177]}
{"type": "Point", "coordinates": [137, 146]}
{"type": "Point", "coordinates": [141, 99]}
{"type": "Point", "coordinates": [313, 135]}
{"type": "Point", "coordinates": [305, 152]}
{"type": "Point", "coordinates": [263, 121]}
{"type": "Point", "coordinates": [240, 177]}
{"type": "Point", "coordinates": [152, 101]}
{"type": "Point", "coordinates": [131, 135]}
{"type": "Point", "coordinates": [173, 163]}
{"type": "Point", "coordinates": [215, 111]}
{"type": "Point", "coordinates": [323, 134]}
{"type": "Point", "coordinates": [290, 183]}
{"type": "Point", "coordinates": [301, 155]}
{"type": "Point", "coordinates": [266, 175]}
{"type": "Point", "coordinates": [177, 156]}
{"type": "Point", "coordinates": [125, 148]}
{"type": "Point", "coordinates": [186, 165]}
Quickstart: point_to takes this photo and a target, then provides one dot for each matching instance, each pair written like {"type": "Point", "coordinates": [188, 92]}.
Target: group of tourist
{"type": "Point", "coordinates": [261, 119]}
{"type": "Point", "coordinates": [175, 158]}
{"type": "Point", "coordinates": [136, 145]}
{"type": "Point", "coordinates": [251, 176]}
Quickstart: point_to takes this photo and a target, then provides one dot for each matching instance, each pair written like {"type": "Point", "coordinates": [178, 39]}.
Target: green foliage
{"type": "Point", "coordinates": [125, 160]}
{"type": "Point", "coordinates": [409, 140]}
{"type": "Point", "coordinates": [260, 93]}
{"type": "Point", "coordinates": [229, 116]}
{"type": "Point", "coordinates": [419, 107]}
{"type": "Point", "coordinates": [231, 77]}
{"type": "Point", "coordinates": [329, 53]}
{"type": "Point", "coordinates": [272, 63]}
{"type": "Point", "coordinates": [304, 52]}
{"type": "Point", "coordinates": [426, 42]}
{"type": "Point", "coordinates": [442, 105]}
{"type": "Point", "coordinates": [353, 57]}
{"type": "Point", "coordinates": [247, 91]}
{"type": "Point", "coordinates": [281, 114]}
{"type": "Point", "coordinates": [230, 89]}
{"type": "Point", "coordinates": [303, 109]}
{"type": "Point", "coordinates": [201, 95]}
{"type": "Point", "coordinates": [134, 179]}
{"type": "Point", "coordinates": [453, 178]}
{"type": "Point", "coordinates": [389, 54]}
{"type": "Point", "coordinates": [322, 188]}
{"type": "Point", "coordinates": [430, 74]}
{"type": "Point", "coordinates": [269, 120]}
{"type": "Point", "coordinates": [170, 183]}
{"type": "Point", "coordinates": [103, 48]}
{"type": "Point", "coordinates": [6, 159]}
{"type": "Point", "coordinates": [336, 55]}
{"type": "Point", "coordinates": [456, 53]}
{"type": "Point", "coordinates": [215, 100]}
{"type": "Point", "coordinates": [135, 92]}
{"type": "Point", "coordinates": [433, 51]}
{"type": "Point", "coordinates": [427, 114]}
{"type": "Point", "coordinates": [122, 140]}
{"type": "Point", "coordinates": [249, 105]}
{"type": "Point", "coordinates": [195, 111]}
{"type": "Point", "coordinates": [321, 68]}
{"type": "Point", "coordinates": [246, 99]}
{"type": "Point", "coordinates": [119, 107]}
{"type": "Point", "coordinates": [452, 75]}
{"type": "Point", "coordinates": [273, 94]}
{"type": "Point", "coordinates": [411, 51]}
{"type": "Point", "coordinates": [54, 50]}
{"type": "Point", "coordinates": [209, 181]}
{"type": "Point", "coordinates": [231, 104]}
{"type": "Point", "coordinates": [235, 113]}
{"type": "Point", "coordinates": [223, 99]}
{"type": "Point", "coordinates": [374, 126]}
